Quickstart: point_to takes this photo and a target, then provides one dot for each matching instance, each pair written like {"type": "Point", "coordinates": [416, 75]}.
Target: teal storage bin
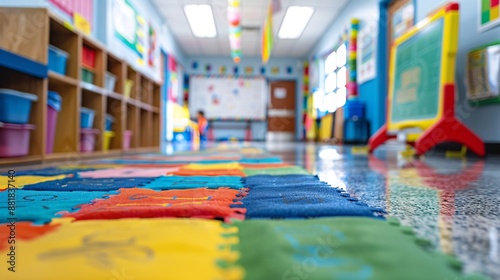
{"type": "Point", "coordinates": [15, 106]}
{"type": "Point", "coordinates": [58, 59]}
{"type": "Point", "coordinates": [110, 120]}
{"type": "Point", "coordinates": [86, 117]}
{"type": "Point", "coordinates": [87, 76]}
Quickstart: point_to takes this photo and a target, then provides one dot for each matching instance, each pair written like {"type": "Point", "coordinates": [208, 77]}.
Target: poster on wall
{"type": "Point", "coordinates": [403, 19]}
{"type": "Point", "coordinates": [367, 45]}
{"type": "Point", "coordinates": [125, 29]}
{"type": "Point", "coordinates": [483, 68]}
{"type": "Point", "coordinates": [489, 15]}
{"type": "Point", "coordinates": [131, 28]}
{"type": "Point", "coordinates": [173, 81]}
{"type": "Point", "coordinates": [137, 38]}
{"type": "Point", "coordinates": [314, 74]}
{"type": "Point", "coordinates": [80, 11]}
{"type": "Point", "coordinates": [153, 58]}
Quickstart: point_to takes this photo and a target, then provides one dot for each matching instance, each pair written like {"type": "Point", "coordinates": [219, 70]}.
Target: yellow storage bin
{"type": "Point", "coordinates": [107, 139]}
{"type": "Point", "coordinates": [128, 88]}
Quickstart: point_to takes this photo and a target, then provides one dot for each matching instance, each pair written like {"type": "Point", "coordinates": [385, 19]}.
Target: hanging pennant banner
{"type": "Point", "coordinates": [267, 35]}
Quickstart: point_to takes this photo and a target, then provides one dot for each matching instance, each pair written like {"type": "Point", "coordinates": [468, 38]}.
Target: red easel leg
{"type": "Point", "coordinates": [379, 138]}
{"type": "Point", "coordinates": [449, 130]}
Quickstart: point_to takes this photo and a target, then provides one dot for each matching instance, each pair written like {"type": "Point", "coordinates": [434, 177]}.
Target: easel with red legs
{"type": "Point", "coordinates": [439, 126]}
{"type": "Point", "coordinates": [447, 129]}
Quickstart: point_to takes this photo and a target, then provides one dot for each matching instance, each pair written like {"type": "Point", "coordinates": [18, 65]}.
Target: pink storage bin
{"type": "Point", "coordinates": [127, 139]}
{"type": "Point", "coordinates": [54, 103]}
{"type": "Point", "coordinates": [88, 139]}
{"type": "Point", "coordinates": [51, 129]}
{"type": "Point", "coordinates": [15, 139]}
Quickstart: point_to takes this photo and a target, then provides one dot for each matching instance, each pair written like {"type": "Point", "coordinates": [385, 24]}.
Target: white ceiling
{"type": "Point", "coordinates": [253, 15]}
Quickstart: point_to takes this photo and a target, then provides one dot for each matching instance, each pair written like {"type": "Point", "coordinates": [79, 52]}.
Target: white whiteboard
{"type": "Point", "coordinates": [228, 98]}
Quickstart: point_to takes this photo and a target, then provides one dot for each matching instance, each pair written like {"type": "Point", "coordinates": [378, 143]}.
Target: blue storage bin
{"type": "Point", "coordinates": [356, 131]}
{"type": "Point", "coordinates": [110, 120]}
{"type": "Point", "coordinates": [15, 106]}
{"type": "Point", "coordinates": [54, 100]}
{"type": "Point", "coordinates": [57, 60]}
{"type": "Point", "coordinates": [86, 117]}
{"type": "Point", "coordinates": [354, 108]}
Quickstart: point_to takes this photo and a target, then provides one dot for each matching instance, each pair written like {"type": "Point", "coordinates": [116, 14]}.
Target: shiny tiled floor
{"type": "Point", "coordinates": [454, 203]}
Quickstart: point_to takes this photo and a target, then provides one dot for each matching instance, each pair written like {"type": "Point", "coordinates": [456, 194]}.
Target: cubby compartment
{"type": "Point", "coordinates": [115, 109]}
{"type": "Point", "coordinates": [68, 42]}
{"type": "Point", "coordinates": [156, 130]}
{"type": "Point", "coordinates": [132, 124]}
{"type": "Point", "coordinates": [146, 128]}
{"type": "Point", "coordinates": [95, 102]}
{"type": "Point", "coordinates": [146, 90]}
{"type": "Point", "coordinates": [116, 67]}
{"type": "Point", "coordinates": [66, 136]}
{"type": "Point", "coordinates": [93, 63]}
{"type": "Point", "coordinates": [25, 83]}
{"type": "Point", "coordinates": [156, 95]}
{"type": "Point", "coordinates": [132, 83]}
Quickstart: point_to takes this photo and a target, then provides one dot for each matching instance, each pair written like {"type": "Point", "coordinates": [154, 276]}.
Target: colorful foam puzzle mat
{"type": "Point", "coordinates": [230, 212]}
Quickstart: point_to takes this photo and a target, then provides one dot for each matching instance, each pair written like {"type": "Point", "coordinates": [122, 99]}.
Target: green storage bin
{"type": "Point", "coordinates": [87, 76]}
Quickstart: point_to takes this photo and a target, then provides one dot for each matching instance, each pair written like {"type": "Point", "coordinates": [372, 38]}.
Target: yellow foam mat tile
{"type": "Point", "coordinates": [129, 249]}
{"type": "Point", "coordinates": [21, 181]}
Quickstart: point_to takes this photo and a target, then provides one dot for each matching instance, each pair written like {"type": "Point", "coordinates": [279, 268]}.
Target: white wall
{"type": "Point", "coordinates": [258, 129]}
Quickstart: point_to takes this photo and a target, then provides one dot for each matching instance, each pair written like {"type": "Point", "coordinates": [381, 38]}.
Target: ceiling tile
{"type": "Point", "coordinates": [253, 15]}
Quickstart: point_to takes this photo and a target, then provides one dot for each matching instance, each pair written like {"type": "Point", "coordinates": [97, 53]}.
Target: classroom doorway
{"type": "Point", "coordinates": [281, 125]}
{"type": "Point", "coordinates": [401, 18]}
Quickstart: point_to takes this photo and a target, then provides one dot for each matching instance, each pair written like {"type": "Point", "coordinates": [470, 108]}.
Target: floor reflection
{"type": "Point", "coordinates": [453, 203]}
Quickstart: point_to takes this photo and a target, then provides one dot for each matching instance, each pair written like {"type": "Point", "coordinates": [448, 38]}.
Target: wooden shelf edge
{"type": "Point", "coordinates": [142, 150]}
{"type": "Point", "coordinates": [93, 88]}
{"type": "Point", "coordinates": [6, 162]}
{"type": "Point", "coordinates": [156, 110]}
{"type": "Point", "coordinates": [115, 95]}
{"type": "Point", "coordinates": [134, 102]}
{"type": "Point", "coordinates": [63, 79]}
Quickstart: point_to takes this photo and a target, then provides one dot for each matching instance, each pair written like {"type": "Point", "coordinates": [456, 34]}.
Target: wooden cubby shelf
{"type": "Point", "coordinates": [139, 112]}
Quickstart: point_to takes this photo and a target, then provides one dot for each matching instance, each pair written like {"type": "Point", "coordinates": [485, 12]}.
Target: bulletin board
{"type": "Point", "coordinates": [483, 72]}
{"type": "Point", "coordinates": [228, 98]}
{"type": "Point", "coordinates": [422, 64]}
{"type": "Point", "coordinates": [489, 14]}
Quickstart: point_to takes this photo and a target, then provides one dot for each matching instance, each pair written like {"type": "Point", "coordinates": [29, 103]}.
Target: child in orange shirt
{"type": "Point", "coordinates": [202, 125]}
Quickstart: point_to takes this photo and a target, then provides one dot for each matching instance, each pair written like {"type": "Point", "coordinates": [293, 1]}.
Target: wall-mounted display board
{"type": "Point", "coordinates": [228, 97]}
{"type": "Point", "coordinates": [489, 15]}
{"type": "Point", "coordinates": [422, 85]}
{"type": "Point", "coordinates": [367, 50]}
{"type": "Point", "coordinates": [483, 74]}
{"type": "Point", "coordinates": [136, 37]}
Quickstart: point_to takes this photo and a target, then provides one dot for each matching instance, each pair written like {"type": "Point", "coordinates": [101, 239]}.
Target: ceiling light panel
{"type": "Point", "coordinates": [201, 20]}
{"type": "Point", "coordinates": [295, 21]}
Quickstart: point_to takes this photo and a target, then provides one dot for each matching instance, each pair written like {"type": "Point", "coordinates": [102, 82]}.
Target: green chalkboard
{"type": "Point", "coordinates": [417, 73]}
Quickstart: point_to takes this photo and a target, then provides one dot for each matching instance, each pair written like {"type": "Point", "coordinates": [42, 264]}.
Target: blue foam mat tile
{"type": "Point", "coordinates": [283, 179]}
{"type": "Point", "coordinates": [190, 182]}
{"type": "Point", "coordinates": [306, 201]}
{"type": "Point", "coordinates": [50, 171]}
{"type": "Point", "coordinates": [88, 184]}
{"type": "Point", "coordinates": [41, 207]}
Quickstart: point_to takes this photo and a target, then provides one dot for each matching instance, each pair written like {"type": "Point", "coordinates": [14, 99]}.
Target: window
{"type": "Point", "coordinates": [335, 81]}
